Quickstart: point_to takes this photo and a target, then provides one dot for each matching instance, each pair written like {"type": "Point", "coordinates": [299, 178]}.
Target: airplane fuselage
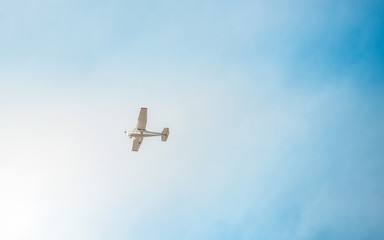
{"type": "Point", "coordinates": [142, 133]}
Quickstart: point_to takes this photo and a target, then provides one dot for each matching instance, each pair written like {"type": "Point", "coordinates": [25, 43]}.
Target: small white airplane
{"type": "Point", "coordinates": [139, 133]}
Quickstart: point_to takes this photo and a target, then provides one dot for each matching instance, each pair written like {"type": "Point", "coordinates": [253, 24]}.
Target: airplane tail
{"type": "Point", "coordinates": [165, 133]}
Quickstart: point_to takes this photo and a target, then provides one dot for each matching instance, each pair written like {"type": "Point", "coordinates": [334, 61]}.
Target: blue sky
{"type": "Point", "coordinates": [275, 110]}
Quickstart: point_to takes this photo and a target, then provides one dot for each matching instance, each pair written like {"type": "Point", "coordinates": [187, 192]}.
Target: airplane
{"type": "Point", "coordinates": [139, 133]}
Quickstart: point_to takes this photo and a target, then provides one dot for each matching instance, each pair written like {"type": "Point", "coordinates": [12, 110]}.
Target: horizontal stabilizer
{"type": "Point", "coordinates": [165, 134]}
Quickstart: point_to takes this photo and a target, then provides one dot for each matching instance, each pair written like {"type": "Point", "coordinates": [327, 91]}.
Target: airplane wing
{"type": "Point", "coordinates": [136, 143]}
{"type": "Point", "coordinates": [142, 120]}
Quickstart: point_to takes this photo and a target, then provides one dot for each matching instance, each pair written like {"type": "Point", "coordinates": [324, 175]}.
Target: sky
{"type": "Point", "coordinates": [275, 110]}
